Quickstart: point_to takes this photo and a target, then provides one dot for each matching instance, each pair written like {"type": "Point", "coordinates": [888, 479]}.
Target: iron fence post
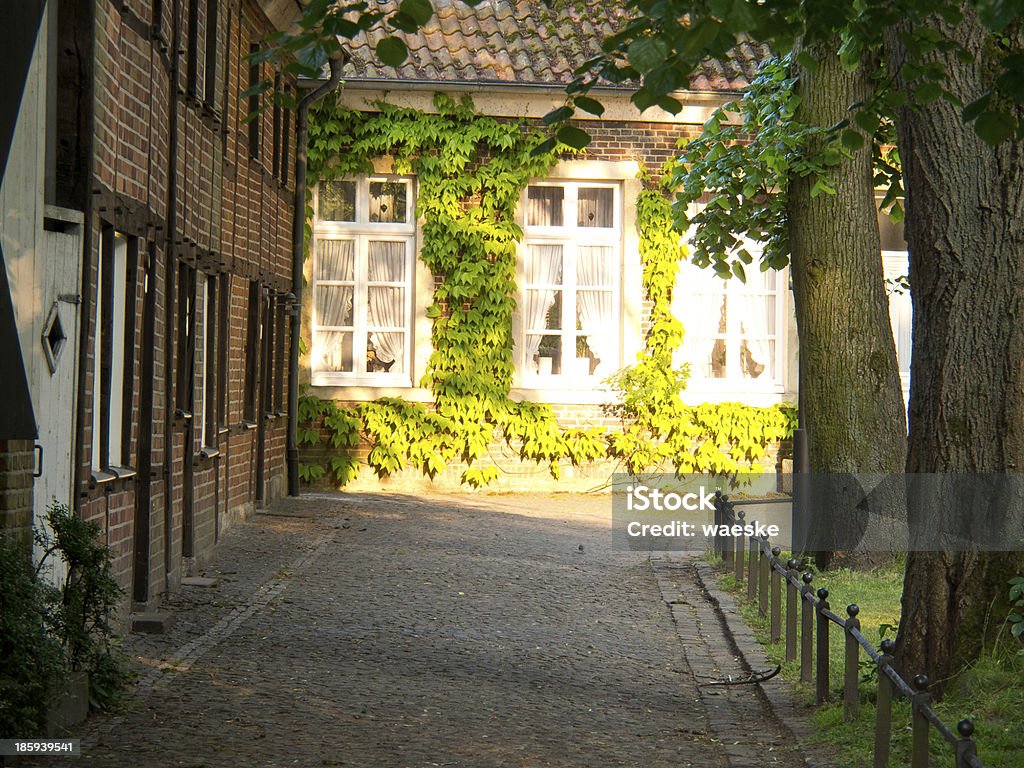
{"type": "Point", "coordinates": [919, 701]}
{"type": "Point", "coordinates": [965, 748]}
{"type": "Point", "coordinates": [791, 598]}
{"type": "Point", "coordinates": [851, 697]}
{"type": "Point", "coordinates": [752, 570]}
{"type": "Point", "coordinates": [762, 579]}
{"type": "Point", "coordinates": [776, 621]}
{"type": "Point", "coordinates": [716, 540]}
{"type": "Point", "coordinates": [821, 685]}
{"type": "Point", "coordinates": [883, 719]}
{"type": "Point", "coordinates": [806, 629]}
{"type": "Point", "coordinates": [727, 544]}
{"type": "Point", "coordinates": [741, 547]}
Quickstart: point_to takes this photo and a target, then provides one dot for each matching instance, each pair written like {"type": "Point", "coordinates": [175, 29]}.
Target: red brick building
{"type": "Point", "coordinates": [171, 326]}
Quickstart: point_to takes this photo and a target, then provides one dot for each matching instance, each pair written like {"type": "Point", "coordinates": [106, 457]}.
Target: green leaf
{"type": "Point", "coordinates": [995, 127]}
{"type": "Point", "coordinates": [927, 92]}
{"type": "Point", "coordinates": [545, 147]}
{"type": "Point", "coordinates": [1012, 84]}
{"type": "Point", "coordinates": [392, 51]}
{"type": "Point", "coordinates": [996, 14]}
{"type": "Point", "coordinates": [419, 10]}
{"type": "Point", "coordinates": [852, 140]}
{"type": "Point", "coordinates": [573, 137]}
{"type": "Point", "coordinates": [587, 104]}
{"type": "Point", "coordinates": [976, 107]}
{"type": "Point", "coordinates": [256, 90]}
{"type": "Point", "coordinates": [557, 115]}
{"type": "Point", "coordinates": [645, 53]}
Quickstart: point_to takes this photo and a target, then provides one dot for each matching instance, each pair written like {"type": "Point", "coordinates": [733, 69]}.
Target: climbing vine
{"type": "Point", "coordinates": [470, 171]}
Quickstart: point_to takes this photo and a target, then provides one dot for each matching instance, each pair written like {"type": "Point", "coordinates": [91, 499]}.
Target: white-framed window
{"type": "Point", "coordinates": [110, 337]}
{"type": "Point", "coordinates": [734, 332]}
{"type": "Point", "coordinates": [363, 269]}
{"type": "Point", "coordinates": [570, 295]}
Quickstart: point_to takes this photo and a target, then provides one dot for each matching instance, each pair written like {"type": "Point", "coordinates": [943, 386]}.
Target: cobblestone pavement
{"type": "Point", "coordinates": [393, 631]}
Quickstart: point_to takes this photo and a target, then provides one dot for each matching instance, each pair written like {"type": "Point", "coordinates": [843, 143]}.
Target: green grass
{"type": "Point", "coordinates": [991, 693]}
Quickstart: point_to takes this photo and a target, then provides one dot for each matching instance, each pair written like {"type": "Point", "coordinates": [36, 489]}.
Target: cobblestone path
{"type": "Point", "coordinates": [396, 631]}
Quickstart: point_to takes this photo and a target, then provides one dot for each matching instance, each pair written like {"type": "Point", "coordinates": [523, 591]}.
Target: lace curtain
{"type": "Point", "coordinates": [697, 304]}
{"type": "Point", "coordinates": [386, 302]}
{"type": "Point", "coordinates": [335, 261]}
{"type": "Point", "coordinates": [543, 268]}
{"type": "Point", "coordinates": [756, 319]}
{"type": "Point", "coordinates": [594, 269]}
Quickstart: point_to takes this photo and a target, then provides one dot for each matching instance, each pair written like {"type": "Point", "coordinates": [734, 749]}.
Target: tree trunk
{"type": "Point", "coordinates": [850, 395]}
{"type": "Point", "coordinates": [965, 232]}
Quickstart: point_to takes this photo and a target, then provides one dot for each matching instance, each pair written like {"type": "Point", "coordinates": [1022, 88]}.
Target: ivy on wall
{"type": "Point", "coordinates": [471, 170]}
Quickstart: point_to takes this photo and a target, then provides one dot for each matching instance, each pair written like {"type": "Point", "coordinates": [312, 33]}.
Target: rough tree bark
{"type": "Point", "coordinates": [965, 232]}
{"type": "Point", "coordinates": [851, 399]}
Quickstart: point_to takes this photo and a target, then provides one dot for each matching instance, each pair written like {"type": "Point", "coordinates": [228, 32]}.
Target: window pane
{"type": "Point", "coordinates": [595, 266]}
{"type": "Point", "coordinates": [600, 344]}
{"type": "Point", "coordinates": [757, 358]}
{"type": "Point", "coordinates": [756, 315]}
{"type": "Point", "coordinates": [544, 207]}
{"type": "Point", "coordinates": [332, 351]}
{"type": "Point", "coordinates": [386, 306]}
{"type": "Point", "coordinates": [335, 259]}
{"type": "Point", "coordinates": [333, 305]}
{"type": "Point", "coordinates": [596, 207]}
{"type": "Point", "coordinates": [337, 200]}
{"type": "Point", "coordinates": [389, 202]}
{"type": "Point", "coordinates": [544, 265]}
{"type": "Point", "coordinates": [544, 354]}
{"type": "Point", "coordinates": [385, 352]}
{"type": "Point", "coordinates": [387, 262]}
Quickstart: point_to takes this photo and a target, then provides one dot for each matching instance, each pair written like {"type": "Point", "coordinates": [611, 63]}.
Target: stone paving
{"type": "Point", "coordinates": [394, 631]}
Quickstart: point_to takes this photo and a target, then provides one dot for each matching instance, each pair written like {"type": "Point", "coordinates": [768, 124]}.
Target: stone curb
{"type": "Point", "coordinates": [781, 699]}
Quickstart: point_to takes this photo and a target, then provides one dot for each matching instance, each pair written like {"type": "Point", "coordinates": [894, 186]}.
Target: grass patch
{"type": "Point", "coordinates": [990, 693]}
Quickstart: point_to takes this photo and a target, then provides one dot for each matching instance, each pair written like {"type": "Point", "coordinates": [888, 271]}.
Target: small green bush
{"type": "Point", "coordinates": [33, 659]}
{"type": "Point", "coordinates": [47, 629]}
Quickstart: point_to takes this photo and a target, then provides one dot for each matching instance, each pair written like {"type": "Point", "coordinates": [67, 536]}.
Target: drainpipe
{"type": "Point", "coordinates": [84, 17]}
{"type": "Point", "coordinates": [298, 237]}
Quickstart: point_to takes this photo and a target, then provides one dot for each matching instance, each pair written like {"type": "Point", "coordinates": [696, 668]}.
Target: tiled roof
{"type": "Point", "coordinates": [520, 41]}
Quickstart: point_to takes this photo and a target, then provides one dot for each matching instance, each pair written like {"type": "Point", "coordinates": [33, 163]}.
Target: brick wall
{"type": "Point", "coordinates": [17, 461]}
{"type": "Point", "coordinates": [163, 511]}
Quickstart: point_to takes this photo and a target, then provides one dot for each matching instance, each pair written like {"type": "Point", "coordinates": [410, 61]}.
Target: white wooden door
{"type": "Point", "coordinates": [52, 363]}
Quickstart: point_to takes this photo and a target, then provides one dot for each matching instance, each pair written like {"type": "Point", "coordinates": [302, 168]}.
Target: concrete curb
{"type": "Point", "coordinates": [780, 698]}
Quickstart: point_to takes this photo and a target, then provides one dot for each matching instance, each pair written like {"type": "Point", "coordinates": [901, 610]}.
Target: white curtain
{"type": "Point", "coordinates": [596, 207]}
{"type": "Point", "coordinates": [544, 206]}
{"type": "Point", "coordinates": [543, 268]}
{"type": "Point", "coordinates": [594, 269]}
{"type": "Point", "coordinates": [386, 303]}
{"type": "Point", "coordinates": [756, 319]}
{"type": "Point", "coordinates": [335, 261]}
{"type": "Point", "coordinates": [697, 303]}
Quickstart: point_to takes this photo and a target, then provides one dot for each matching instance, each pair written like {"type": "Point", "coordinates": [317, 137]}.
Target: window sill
{"type": "Point", "coordinates": [351, 380]}
{"type": "Point", "coordinates": [209, 453]}
{"type": "Point", "coordinates": [100, 477]}
{"type": "Point", "coordinates": [575, 393]}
